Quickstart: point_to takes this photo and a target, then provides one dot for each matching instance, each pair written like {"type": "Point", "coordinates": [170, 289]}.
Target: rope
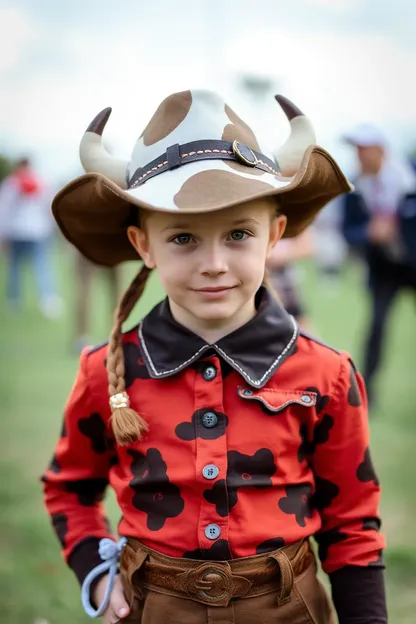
{"type": "Point", "coordinates": [110, 552]}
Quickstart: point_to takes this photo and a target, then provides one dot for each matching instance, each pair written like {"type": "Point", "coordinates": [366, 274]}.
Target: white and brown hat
{"type": "Point", "coordinates": [195, 155]}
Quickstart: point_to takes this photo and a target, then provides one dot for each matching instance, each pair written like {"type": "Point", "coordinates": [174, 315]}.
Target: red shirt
{"type": "Point", "coordinates": [257, 441]}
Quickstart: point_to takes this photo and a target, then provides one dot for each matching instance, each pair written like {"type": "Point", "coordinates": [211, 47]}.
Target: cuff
{"type": "Point", "coordinates": [85, 557]}
{"type": "Point", "coordinates": [359, 595]}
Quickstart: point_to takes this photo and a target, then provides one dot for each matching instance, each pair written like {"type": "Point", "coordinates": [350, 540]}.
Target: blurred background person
{"type": "Point", "coordinates": [26, 231]}
{"type": "Point", "coordinates": [284, 276]}
{"type": "Point", "coordinates": [373, 227]}
{"type": "Point", "coordinates": [84, 273]}
{"type": "Point", "coordinates": [330, 247]}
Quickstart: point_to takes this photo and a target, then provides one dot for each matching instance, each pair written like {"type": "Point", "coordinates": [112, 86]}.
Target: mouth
{"type": "Point", "coordinates": [214, 289]}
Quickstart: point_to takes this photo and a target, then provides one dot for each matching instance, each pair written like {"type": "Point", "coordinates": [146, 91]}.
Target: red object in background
{"type": "Point", "coordinates": [27, 182]}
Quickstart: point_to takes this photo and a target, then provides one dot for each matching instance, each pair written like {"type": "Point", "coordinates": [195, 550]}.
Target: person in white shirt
{"type": "Point", "coordinates": [26, 229]}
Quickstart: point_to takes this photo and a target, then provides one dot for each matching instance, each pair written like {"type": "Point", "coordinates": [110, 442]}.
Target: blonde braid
{"type": "Point", "coordinates": [127, 425]}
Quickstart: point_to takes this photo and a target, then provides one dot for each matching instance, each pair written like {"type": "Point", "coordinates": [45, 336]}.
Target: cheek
{"type": "Point", "coordinates": [250, 266]}
{"type": "Point", "coordinates": [172, 269]}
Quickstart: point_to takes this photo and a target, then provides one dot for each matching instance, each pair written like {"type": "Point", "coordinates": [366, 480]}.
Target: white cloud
{"type": "Point", "coordinates": [18, 32]}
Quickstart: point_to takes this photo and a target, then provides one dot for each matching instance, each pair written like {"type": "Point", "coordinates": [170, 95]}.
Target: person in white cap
{"type": "Point", "coordinates": [373, 226]}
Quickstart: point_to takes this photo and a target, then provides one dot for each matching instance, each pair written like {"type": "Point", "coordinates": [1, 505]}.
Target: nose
{"type": "Point", "coordinates": [214, 259]}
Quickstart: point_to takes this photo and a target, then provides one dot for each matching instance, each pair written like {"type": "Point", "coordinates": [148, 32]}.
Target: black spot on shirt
{"type": "Point", "coordinates": [371, 524]}
{"type": "Point", "coordinates": [249, 471]}
{"type": "Point", "coordinates": [55, 466]}
{"type": "Point", "coordinates": [113, 461]}
{"type": "Point", "coordinates": [270, 545]}
{"type": "Point", "coordinates": [218, 496]}
{"type": "Point", "coordinates": [325, 492]}
{"type": "Point", "coordinates": [320, 436]}
{"type": "Point", "coordinates": [297, 502]}
{"type": "Point", "coordinates": [219, 551]}
{"type": "Point", "coordinates": [365, 471]}
{"type": "Point", "coordinates": [94, 428]}
{"type": "Point", "coordinates": [154, 493]}
{"type": "Point", "coordinates": [89, 491]}
{"type": "Point", "coordinates": [322, 400]}
{"type": "Point", "coordinates": [135, 367]}
{"type": "Point", "coordinates": [354, 396]}
{"type": "Point", "coordinates": [60, 524]}
{"type": "Point", "coordinates": [195, 429]}
{"type": "Point", "coordinates": [326, 539]}
{"type": "Point", "coordinates": [243, 471]}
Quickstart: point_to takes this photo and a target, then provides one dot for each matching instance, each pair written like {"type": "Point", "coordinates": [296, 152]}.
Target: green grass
{"type": "Point", "coordinates": [37, 370]}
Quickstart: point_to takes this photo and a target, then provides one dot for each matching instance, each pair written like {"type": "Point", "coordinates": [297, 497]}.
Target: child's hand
{"type": "Point", "coordinates": [117, 607]}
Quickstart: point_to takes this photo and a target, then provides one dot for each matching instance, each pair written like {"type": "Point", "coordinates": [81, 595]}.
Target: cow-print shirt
{"type": "Point", "coordinates": [255, 442]}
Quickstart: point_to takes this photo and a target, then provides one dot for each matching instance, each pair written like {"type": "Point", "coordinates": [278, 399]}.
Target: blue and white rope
{"type": "Point", "coordinates": [110, 552]}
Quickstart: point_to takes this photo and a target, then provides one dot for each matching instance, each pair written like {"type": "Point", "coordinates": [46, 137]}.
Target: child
{"type": "Point", "coordinates": [230, 438]}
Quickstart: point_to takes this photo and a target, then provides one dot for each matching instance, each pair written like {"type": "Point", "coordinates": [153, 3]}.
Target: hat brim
{"type": "Point", "coordinates": [93, 212]}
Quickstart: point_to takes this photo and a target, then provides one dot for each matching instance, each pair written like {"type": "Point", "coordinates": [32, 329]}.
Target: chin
{"type": "Point", "coordinates": [214, 312]}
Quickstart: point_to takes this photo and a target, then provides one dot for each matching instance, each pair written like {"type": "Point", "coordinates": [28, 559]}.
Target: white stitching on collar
{"type": "Point", "coordinates": [274, 364]}
{"type": "Point", "coordinates": [173, 370]}
{"type": "Point", "coordinates": [224, 355]}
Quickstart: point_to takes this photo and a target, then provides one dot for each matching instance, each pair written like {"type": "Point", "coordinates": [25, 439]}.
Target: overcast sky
{"type": "Point", "coordinates": [342, 61]}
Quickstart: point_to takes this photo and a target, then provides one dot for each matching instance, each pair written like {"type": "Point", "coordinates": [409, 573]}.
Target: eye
{"type": "Point", "coordinates": [182, 239]}
{"type": "Point", "coordinates": [239, 235]}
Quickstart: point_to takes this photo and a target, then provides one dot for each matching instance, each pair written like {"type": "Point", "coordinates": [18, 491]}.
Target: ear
{"type": "Point", "coordinates": [140, 241]}
{"type": "Point", "coordinates": [277, 228]}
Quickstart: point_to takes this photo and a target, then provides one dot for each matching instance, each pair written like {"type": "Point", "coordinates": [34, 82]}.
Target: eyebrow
{"type": "Point", "coordinates": [187, 226]}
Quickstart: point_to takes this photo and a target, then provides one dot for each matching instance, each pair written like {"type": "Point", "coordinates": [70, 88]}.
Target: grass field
{"type": "Point", "coordinates": [37, 370]}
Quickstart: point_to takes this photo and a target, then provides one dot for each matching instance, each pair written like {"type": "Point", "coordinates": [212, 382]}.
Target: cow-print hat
{"type": "Point", "coordinates": [194, 156]}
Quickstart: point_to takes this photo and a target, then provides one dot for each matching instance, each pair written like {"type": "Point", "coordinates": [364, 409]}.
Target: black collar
{"type": "Point", "coordinates": [255, 350]}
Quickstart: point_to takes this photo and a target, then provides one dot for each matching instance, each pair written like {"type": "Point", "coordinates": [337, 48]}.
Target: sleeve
{"type": "Point", "coordinates": [347, 489]}
{"type": "Point", "coordinates": [354, 220]}
{"type": "Point", "coordinates": [359, 595]}
{"type": "Point", "coordinates": [77, 476]}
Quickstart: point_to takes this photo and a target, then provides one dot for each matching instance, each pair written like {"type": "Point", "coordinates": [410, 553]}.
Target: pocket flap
{"type": "Point", "coordinates": [274, 401]}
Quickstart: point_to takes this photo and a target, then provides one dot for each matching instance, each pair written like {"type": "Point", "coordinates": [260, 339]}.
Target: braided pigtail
{"type": "Point", "coordinates": [127, 425]}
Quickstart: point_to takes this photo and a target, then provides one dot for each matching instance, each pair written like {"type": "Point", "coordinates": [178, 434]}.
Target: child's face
{"type": "Point", "coordinates": [211, 265]}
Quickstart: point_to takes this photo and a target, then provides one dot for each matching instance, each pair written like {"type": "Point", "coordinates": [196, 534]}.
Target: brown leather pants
{"type": "Point", "coordinates": [280, 587]}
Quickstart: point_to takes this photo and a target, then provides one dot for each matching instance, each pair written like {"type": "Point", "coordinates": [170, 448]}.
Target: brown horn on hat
{"type": "Point", "coordinates": [94, 156]}
{"type": "Point", "coordinates": [302, 135]}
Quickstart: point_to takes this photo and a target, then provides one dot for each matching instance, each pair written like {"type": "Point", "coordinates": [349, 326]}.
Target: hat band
{"type": "Point", "coordinates": [177, 155]}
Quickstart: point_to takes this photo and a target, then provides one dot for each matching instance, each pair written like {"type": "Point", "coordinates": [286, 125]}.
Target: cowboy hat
{"type": "Point", "coordinates": [194, 156]}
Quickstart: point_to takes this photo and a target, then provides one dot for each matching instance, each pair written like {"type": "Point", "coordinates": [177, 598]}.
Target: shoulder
{"type": "Point", "coordinates": [94, 358]}
{"type": "Point", "coordinates": [310, 345]}
{"type": "Point", "coordinates": [337, 364]}
{"type": "Point", "coordinates": [313, 364]}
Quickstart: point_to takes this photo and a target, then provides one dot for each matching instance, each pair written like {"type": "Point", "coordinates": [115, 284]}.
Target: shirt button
{"type": "Point", "coordinates": [209, 373]}
{"type": "Point", "coordinates": [209, 420]}
{"type": "Point", "coordinates": [210, 471]}
{"type": "Point", "coordinates": [305, 398]}
{"type": "Point", "coordinates": [212, 531]}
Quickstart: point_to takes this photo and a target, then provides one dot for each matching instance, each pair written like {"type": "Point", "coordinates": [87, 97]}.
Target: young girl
{"type": "Point", "coordinates": [230, 438]}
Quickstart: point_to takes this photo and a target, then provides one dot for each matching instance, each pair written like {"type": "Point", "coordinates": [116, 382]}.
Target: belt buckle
{"type": "Point", "coordinates": [211, 584]}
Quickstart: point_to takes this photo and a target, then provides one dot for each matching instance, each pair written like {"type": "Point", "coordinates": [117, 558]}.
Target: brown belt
{"type": "Point", "coordinates": [215, 582]}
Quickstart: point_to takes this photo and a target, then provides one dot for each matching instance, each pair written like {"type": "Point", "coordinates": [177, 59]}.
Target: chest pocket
{"type": "Point", "coordinates": [273, 401]}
